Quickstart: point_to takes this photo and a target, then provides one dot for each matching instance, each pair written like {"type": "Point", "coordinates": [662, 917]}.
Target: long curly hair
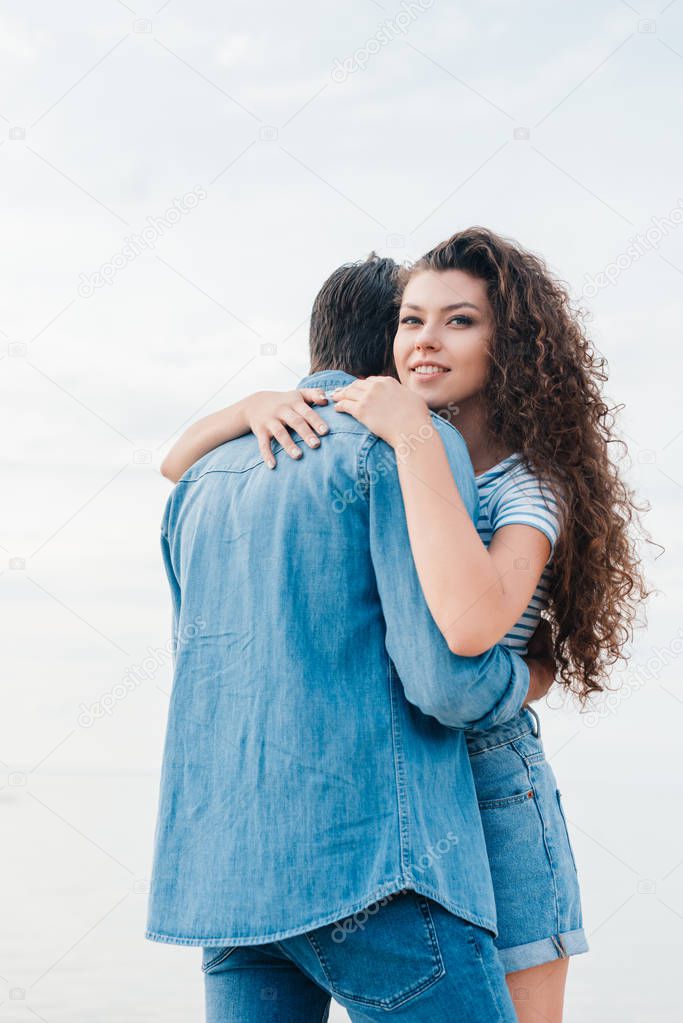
{"type": "Point", "coordinates": [544, 399]}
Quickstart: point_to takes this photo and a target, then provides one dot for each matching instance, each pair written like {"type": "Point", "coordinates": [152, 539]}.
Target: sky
{"type": "Point", "coordinates": [176, 183]}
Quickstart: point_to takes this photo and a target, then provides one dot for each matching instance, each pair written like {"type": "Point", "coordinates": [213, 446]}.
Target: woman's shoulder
{"type": "Point", "coordinates": [516, 494]}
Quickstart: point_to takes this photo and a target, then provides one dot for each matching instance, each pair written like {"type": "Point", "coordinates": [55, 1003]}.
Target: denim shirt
{"type": "Point", "coordinates": [315, 757]}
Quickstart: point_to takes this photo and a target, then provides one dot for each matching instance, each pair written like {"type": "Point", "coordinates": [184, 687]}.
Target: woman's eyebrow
{"type": "Point", "coordinates": [446, 308]}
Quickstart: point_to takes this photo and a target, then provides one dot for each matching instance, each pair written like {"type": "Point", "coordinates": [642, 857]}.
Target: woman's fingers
{"type": "Point", "coordinates": [313, 395]}
{"type": "Point", "coordinates": [263, 438]}
{"type": "Point", "coordinates": [300, 419]}
{"type": "Point", "coordinates": [350, 391]}
{"type": "Point", "coordinates": [281, 435]}
{"type": "Point", "coordinates": [298, 423]}
{"type": "Point", "coordinates": [357, 391]}
{"type": "Point", "coordinates": [346, 405]}
{"type": "Point", "coordinates": [312, 418]}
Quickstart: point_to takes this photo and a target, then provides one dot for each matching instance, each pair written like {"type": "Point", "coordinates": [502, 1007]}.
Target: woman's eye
{"type": "Point", "coordinates": [410, 319]}
{"type": "Point", "coordinates": [461, 321]}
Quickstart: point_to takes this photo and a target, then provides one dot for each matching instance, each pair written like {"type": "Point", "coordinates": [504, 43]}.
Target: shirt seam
{"type": "Point", "coordinates": [259, 461]}
{"type": "Point", "coordinates": [372, 439]}
{"type": "Point", "coordinates": [399, 774]}
{"type": "Point", "coordinates": [362, 465]}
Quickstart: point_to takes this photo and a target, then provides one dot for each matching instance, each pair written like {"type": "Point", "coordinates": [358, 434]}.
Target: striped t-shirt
{"type": "Point", "coordinates": [509, 494]}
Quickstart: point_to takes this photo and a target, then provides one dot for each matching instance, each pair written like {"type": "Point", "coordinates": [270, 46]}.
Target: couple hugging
{"type": "Point", "coordinates": [355, 801]}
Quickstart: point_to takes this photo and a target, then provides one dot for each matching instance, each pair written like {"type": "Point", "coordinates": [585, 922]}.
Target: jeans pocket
{"type": "Point", "coordinates": [382, 956]}
{"type": "Point", "coordinates": [215, 956]}
{"type": "Point", "coordinates": [501, 774]}
{"type": "Point", "coordinates": [503, 801]}
{"type": "Point", "coordinates": [566, 829]}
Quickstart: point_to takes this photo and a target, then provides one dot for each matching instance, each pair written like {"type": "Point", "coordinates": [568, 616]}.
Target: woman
{"type": "Point", "coordinates": [487, 337]}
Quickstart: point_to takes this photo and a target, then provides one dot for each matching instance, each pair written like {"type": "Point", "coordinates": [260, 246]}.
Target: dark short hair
{"type": "Point", "coordinates": [354, 318]}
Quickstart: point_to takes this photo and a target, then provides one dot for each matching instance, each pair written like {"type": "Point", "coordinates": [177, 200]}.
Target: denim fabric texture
{"type": "Point", "coordinates": [532, 863]}
{"type": "Point", "coordinates": [315, 757]}
{"type": "Point", "coordinates": [410, 961]}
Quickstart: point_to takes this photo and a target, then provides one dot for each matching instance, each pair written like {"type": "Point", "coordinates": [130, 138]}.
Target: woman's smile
{"type": "Point", "coordinates": [429, 369]}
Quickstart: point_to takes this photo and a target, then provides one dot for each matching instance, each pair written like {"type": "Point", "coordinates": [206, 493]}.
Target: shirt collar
{"type": "Point", "coordinates": [328, 379]}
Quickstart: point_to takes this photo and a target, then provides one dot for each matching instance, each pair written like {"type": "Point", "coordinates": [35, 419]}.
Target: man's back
{"type": "Point", "coordinates": [301, 781]}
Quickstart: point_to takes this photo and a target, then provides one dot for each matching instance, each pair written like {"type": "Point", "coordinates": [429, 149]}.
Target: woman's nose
{"type": "Point", "coordinates": [426, 340]}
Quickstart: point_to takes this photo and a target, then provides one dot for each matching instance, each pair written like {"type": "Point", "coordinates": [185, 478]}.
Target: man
{"type": "Point", "coordinates": [318, 831]}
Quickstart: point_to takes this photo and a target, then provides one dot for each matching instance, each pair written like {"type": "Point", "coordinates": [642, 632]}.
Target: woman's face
{"type": "Point", "coordinates": [441, 346]}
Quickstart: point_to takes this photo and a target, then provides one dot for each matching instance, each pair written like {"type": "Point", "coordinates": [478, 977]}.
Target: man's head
{"type": "Point", "coordinates": [354, 318]}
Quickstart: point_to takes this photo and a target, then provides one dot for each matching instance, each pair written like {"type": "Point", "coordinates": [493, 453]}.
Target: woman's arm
{"type": "Point", "coordinates": [475, 594]}
{"type": "Point", "coordinates": [540, 660]}
{"type": "Point", "coordinates": [268, 414]}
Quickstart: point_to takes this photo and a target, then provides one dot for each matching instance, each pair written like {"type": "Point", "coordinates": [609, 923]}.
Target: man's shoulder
{"type": "Point", "coordinates": [238, 455]}
{"type": "Point", "coordinates": [379, 452]}
{"type": "Point", "coordinates": [243, 454]}
{"type": "Point", "coordinates": [449, 434]}
{"type": "Point", "coordinates": [461, 464]}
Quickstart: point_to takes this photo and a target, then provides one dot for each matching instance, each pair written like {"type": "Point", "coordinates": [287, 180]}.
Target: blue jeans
{"type": "Point", "coordinates": [405, 958]}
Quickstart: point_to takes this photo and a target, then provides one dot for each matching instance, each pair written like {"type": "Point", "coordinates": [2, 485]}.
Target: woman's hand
{"type": "Point", "coordinates": [267, 413]}
{"type": "Point", "coordinates": [272, 414]}
{"type": "Point", "coordinates": [540, 659]}
{"type": "Point", "coordinates": [541, 645]}
{"type": "Point", "coordinates": [388, 409]}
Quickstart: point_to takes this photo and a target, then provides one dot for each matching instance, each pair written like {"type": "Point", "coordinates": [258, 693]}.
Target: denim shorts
{"type": "Point", "coordinates": [538, 903]}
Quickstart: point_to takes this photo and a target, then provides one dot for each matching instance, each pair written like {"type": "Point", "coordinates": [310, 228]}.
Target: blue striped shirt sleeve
{"type": "Point", "coordinates": [522, 499]}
